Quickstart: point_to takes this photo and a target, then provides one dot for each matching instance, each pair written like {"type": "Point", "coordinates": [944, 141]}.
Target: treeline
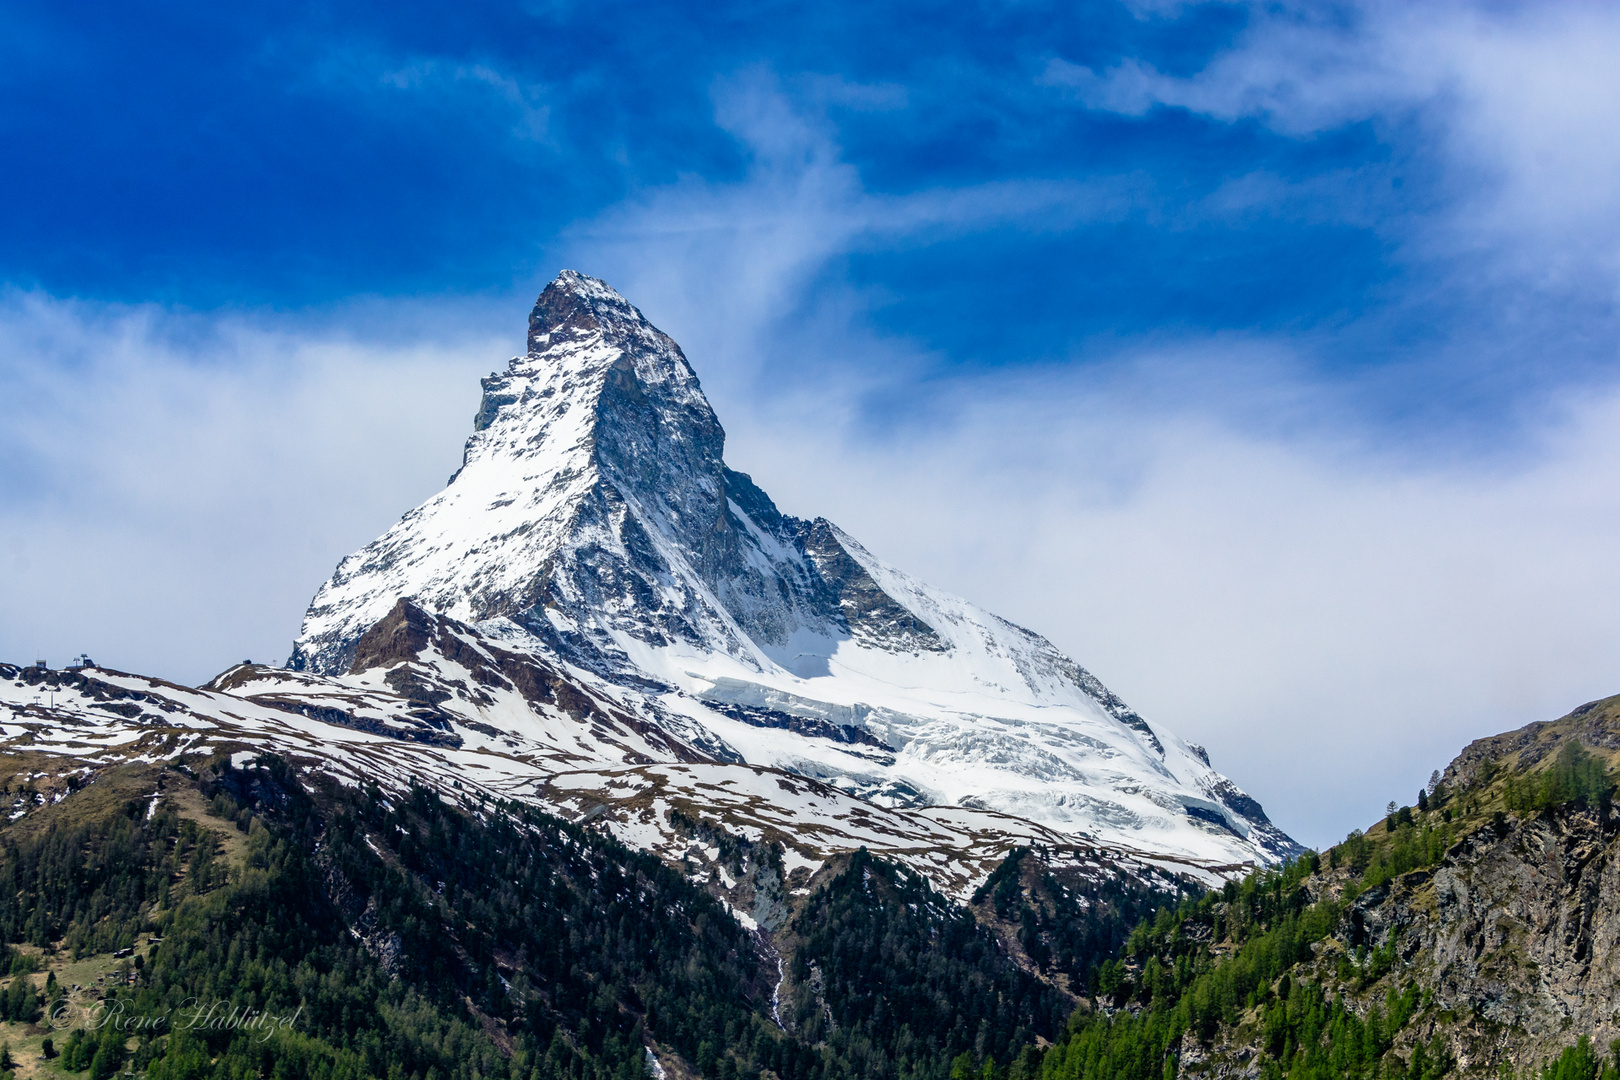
{"type": "Point", "coordinates": [1232, 956]}
{"type": "Point", "coordinates": [1229, 956]}
{"type": "Point", "coordinates": [1583, 1062]}
{"type": "Point", "coordinates": [1575, 776]}
{"type": "Point", "coordinates": [96, 883]}
{"type": "Point", "coordinates": [264, 940]}
{"type": "Point", "coordinates": [1068, 927]}
{"type": "Point", "coordinates": [1407, 846]}
{"type": "Point", "coordinates": [411, 939]}
{"type": "Point", "coordinates": [1414, 839]}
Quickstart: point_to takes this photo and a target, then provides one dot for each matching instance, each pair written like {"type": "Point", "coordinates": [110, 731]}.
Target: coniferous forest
{"type": "Point", "coordinates": [417, 939]}
{"type": "Point", "coordinates": [252, 925]}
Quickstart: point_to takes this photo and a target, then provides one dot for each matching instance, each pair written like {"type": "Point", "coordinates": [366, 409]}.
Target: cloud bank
{"type": "Point", "coordinates": [176, 486]}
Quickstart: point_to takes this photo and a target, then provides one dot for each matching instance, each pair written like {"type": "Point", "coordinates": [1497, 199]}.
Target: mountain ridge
{"type": "Point", "coordinates": [595, 521]}
{"type": "Point", "coordinates": [658, 734]}
{"type": "Point", "coordinates": [598, 617]}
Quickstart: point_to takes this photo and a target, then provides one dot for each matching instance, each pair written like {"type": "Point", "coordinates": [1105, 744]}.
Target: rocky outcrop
{"type": "Point", "coordinates": [1516, 935]}
{"type": "Point", "coordinates": [1596, 725]}
{"type": "Point", "coordinates": [1512, 945]}
{"type": "Point", "coordinates": [1512, 938]}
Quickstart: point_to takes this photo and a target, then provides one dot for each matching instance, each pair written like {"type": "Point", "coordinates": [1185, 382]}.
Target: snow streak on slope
{"type": "Point", "coordinates": [595, 527]}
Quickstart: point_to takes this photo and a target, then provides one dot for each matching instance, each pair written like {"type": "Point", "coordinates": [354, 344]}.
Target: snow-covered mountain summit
{"type": "Point", "coordinates": [595, 524]}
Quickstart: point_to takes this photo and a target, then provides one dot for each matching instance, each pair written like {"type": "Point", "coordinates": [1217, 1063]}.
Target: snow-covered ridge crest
{"type": "Point", "coordinates": [595, 520]}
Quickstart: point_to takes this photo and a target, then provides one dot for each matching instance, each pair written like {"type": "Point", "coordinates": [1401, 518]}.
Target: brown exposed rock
{"type": "Point", "coordinates": [1514, 937]}
{"type": "Point", "coordinates": [400, 635]}
{"type": "Point", "coordinates": [400, 639]}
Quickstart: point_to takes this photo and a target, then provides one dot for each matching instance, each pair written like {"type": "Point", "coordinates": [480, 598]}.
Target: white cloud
{"type": "Point", "coordinates": [175, 487]}
{"type": "Point", "coordinates": [1517, 106]}
{"type": "Point", "coordinates": [366, 71]}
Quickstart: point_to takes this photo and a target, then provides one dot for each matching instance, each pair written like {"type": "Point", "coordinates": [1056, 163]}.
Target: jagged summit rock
{"type": "Point", "coordinates": [595, 524]}
{"type": "Point", "coordinates": [594, 509]}
{"type": "Point", "coordinates": [603, 409]}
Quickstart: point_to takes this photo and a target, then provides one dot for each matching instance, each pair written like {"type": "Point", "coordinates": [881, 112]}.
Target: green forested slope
{"type": "Point", "coordinates": [412, 938]}
{"type": "Point", "coordinates": [416, 939]}
{"type": "Point", "coordinates": [1282, 974]}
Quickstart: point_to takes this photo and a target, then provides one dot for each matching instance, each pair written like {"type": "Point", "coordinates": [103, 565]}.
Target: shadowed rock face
{"type": "Point", "coordinates": [411, 647]}
{"type": "Point", "coordinates": [1524, 928]}
{"type": "Point", "coordinates": [1514, 938]}
{"type": "Point", "coordinates": [410, 636]}
{"type": "Point", "coordinates": [1513, 935]}
{"type": "Point", "coordinates": [659, 449]}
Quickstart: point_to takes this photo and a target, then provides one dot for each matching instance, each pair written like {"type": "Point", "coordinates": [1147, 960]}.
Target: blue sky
{"type": "Point", "coordinates": [1120, 171]}
{"type": "Point", "coordinates": [1267, 350]}
{"type": "Point", "coordinates": [284, 156]}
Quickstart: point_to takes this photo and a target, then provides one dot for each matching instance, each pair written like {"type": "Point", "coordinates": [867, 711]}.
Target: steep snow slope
{"type": "Point", "coordinates": [594, 527]}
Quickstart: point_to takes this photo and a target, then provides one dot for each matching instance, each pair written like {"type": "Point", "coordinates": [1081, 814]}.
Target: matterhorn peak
{"type": "Point", "coordinates": [604, 392]}
{"type": "Point", "coordinates": [590, 347]}
{"type": "Point", "coordinates": [578, 304]}
{"type": "Point", "coordinates": [595, 524]}
{"type": "Point", "coordinates": [594, 441]}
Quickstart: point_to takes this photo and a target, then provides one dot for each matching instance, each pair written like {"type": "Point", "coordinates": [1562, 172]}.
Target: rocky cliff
{"type": "Point", "coordinates": [1515, 937]}
{"type": "Point", "coordinates": [1476, 933]}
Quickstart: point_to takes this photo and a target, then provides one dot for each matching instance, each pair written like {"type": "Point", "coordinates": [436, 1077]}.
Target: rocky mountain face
{"type": "Point", "coordinates": [1516, 931]}
{"type": "Point", "coordinates": [1475, 934]}
{"type": "Point", "coordinates": [1516, 936]}
{"type": "Point", "coordinates": [599, 617]}
{"type": "Point", "coordinates": [594, 523]}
